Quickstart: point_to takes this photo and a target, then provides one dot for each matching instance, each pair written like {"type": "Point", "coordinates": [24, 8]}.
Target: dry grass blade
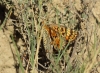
{"type": "Point", "coordinates": [37, 51]}
{"type": "Point", "coordinates": [7, 16]}
{"type": "Point", "coordinates": [90, 64]}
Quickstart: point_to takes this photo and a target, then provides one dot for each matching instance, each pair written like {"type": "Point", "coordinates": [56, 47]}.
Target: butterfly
{"type": "Point", "coordinates": [58, 35]}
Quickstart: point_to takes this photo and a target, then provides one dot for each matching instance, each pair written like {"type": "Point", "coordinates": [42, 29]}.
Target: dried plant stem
{"type": "Point", "coordinates": [37, 51]}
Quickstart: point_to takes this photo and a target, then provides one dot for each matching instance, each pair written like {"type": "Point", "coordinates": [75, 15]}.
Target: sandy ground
{"type": "Point", "coordinates": [7, 64]}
